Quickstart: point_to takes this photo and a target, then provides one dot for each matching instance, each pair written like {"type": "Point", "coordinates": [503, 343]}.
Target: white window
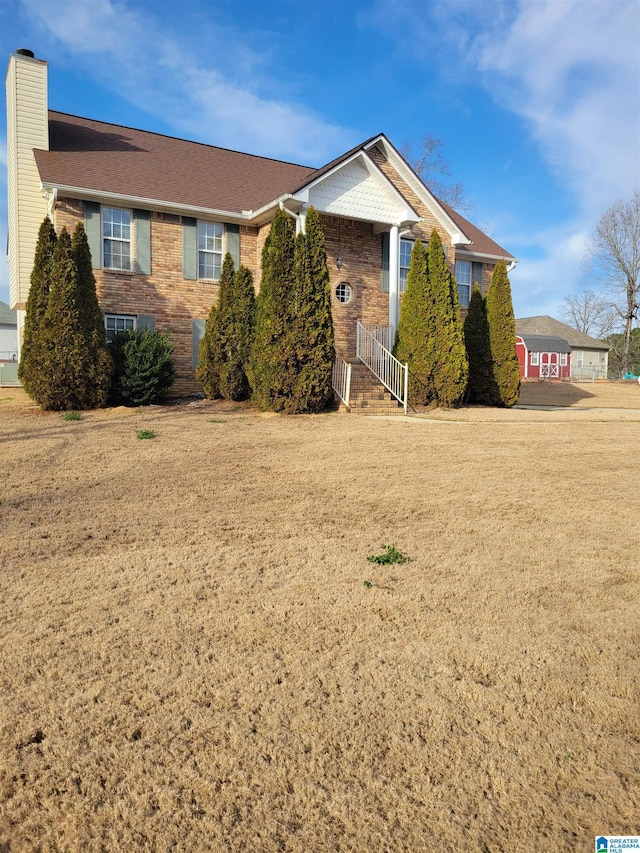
{"type": "Point", "coordinates": [463, 279]}
{"type": "Point", "coordinates": [535, 359]}
{"type": "Point", "coordinates": [209, 250]}
{"type": "Point", "coordinates": [116, 238]}
{"type": "Point", "coordinates": [406, 247]}
{"type": "Point", "coordinates": [579, 358]}
{"type": "Point", "coordinates": [563, 359]}
{"type": "Point", "coordinates": [468, 273]}
{"type": "Point", "coordinates": [118, 323]}
{"type": "Point", "coordinates": [344, 293]}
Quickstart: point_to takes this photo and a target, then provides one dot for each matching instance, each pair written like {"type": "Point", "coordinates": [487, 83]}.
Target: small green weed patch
{"type": "Point", "coordinates": [390, 555]}
{"type": "Point", "coordinates": [71, 416]}
{"type": "Point", "coordinates": [146, 433]}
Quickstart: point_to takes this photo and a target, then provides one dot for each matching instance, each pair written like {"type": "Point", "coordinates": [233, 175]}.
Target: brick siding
{"type": "Point", "coordinates": [171, 300]}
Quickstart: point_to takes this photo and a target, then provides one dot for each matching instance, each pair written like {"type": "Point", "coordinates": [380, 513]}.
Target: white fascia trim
{"type": "Point", "coordinates": [423, 192]}
{"type": "Point", "coordinates": [150, 203]}
{"type": "Point", "coordinates": [471, 254]}
{"type": "Point", "coordinates": [262, 212]}
{"type": "Point", "coordinates": [410, 215]}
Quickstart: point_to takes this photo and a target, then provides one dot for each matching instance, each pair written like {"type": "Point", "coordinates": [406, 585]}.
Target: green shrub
{"type": "Point", "coordinates": [415, 338]}
{"type": "Point", "coordinates": [482, 387]}
{"type": "Point", "coordinates": [502, 335]}
{"type": "Point", "coordinates": [76, 373]}
{"type": "Point", "coordinates": [212, 354]}
{"type": "Point", "coordinates": [65, 363]}
{"type": "Point", "coordinates": [144, 367]}
{"type": "Point", "coordinates": [312, 326]}
{"type": "Point", "coordinates": [271, 368]}
{"type": "Point", "coordinates": [451, 369]}
{"type": "Point", "coordinates": [31, 367]}
{"type": "Point", "coordinates": [239, 332]}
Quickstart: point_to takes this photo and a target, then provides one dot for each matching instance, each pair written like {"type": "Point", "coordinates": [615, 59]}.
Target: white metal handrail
{"type": "Point", "coordinates": [341, 379]}
{"type": "Point", "coordinates": [382, 363]}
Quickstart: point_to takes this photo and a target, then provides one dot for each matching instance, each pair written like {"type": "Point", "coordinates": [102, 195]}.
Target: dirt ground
{"type": "Point", "coordinates": [196, 654]}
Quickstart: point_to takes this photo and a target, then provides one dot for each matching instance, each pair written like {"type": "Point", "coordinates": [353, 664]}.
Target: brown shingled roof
{"type": "Point", "coordinates": [546, 325]}
{"type": "Point", "coordinates": [99, 157]}
{"type": "Point", "coordinates": [480, 242]}
{"type": "Point", "coordinates": [103, 157]}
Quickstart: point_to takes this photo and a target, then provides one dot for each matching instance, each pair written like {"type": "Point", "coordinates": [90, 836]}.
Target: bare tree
{"type": "Point", "coordinates": [590, 312]}
{"type": "Point", "coordinates": [430, 164]}
{"type": "Point", "coordinates": [615, 255]}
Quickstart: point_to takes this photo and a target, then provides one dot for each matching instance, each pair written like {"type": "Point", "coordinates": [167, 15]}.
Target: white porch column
{"type": "Point", "coordinates": [394, 274]}
{"type": "Point", "coordinates": [301, 222]}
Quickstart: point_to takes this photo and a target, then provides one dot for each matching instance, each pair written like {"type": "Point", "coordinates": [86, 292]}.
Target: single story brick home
{"type": "Point", "coordinates": [589, 358]}
{"type": "Point", "coordinates": [161, 213]}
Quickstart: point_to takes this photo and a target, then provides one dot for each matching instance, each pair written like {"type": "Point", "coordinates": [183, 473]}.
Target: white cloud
{"type": "Point", "coordinates": [540, 285]}
{"type": "Point", "coordinates": [158, 70]}
{"type": "Point", "coordinates": [571, 69]}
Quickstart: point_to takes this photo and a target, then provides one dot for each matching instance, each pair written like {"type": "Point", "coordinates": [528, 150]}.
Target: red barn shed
{"type": "Point", "coordinates": [543, 357]}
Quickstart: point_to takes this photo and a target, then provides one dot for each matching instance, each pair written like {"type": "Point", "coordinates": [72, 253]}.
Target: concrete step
{"type": "Point", "coordinates": [368, 396]}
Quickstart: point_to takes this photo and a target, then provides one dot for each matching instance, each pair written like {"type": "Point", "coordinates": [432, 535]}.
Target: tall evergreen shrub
{"type": "Point", "coordinates": [30, 369]}
{"type": "Point", "coordinates": [481, 387]}
{"type": "Point", "coordinates": [66, 352]}
{"type": "Point", "coordinates": [502, 336]}
{"type": "Point", "coordinates": [212, 353]}
{"type": "Point", "coordinates": [451, 369]}
{"type": "Point", "coordinates": [312, 325]}
{"type": "Point", "coordinates": [239, 333]}
{"type": "Point", "coordinates": [415, 337]}
{"type": "Point", "coordinates": [271, 372]}
{"type": "Point", "coordinates": [99, 365]}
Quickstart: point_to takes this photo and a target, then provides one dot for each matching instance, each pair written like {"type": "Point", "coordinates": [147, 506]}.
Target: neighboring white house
{"type": "Point", "coordinates": [8, 333]}
{"type": "Point", "coordinates": [8, 345]}
{"type": "Point", "coordinates": [589, 357]}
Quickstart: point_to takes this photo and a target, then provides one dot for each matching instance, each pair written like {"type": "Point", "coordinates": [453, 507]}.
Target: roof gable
{"type": "Point", "coordinates": [545, 325]}
{"type": "Point", "coordinates": [8, 317]}
{"type": "Point", "coordinates": [357, 189]}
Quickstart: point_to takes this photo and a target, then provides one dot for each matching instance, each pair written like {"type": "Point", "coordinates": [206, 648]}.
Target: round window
{"type": "Point", "coordinates": [344, 293]}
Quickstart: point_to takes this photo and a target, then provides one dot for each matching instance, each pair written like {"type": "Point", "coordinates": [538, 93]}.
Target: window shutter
{"type": "Point", "coordinates": [476, 274]}
{"type": "Point", "coordinates": [143, 241]}
{"type": "Point", "coordinates": [189, 248]}
{"type": "Point", "coordinates": [145, 321]}
{"type": "Point", "coordinates": [233, 243]}
{"type": "Point", "coordinates": [93, 227]}
{"type": "Point", "coordinates": [198, 330]}
{"type": "Point", "coordinates": [385, 263]}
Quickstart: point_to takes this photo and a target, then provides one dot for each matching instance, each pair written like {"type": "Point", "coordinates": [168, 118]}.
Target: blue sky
{"type": "Point", "coordinates": [537, 102]}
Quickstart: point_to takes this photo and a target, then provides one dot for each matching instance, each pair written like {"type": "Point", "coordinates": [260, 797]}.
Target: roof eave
{"type": "Point", "coordinates": [466, 250]}
{"type": "Point", "coordinates": [151, 203]}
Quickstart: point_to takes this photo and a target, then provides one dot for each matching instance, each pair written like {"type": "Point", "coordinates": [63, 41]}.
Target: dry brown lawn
{"type": "Point", "coordinates": [191, 659]}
